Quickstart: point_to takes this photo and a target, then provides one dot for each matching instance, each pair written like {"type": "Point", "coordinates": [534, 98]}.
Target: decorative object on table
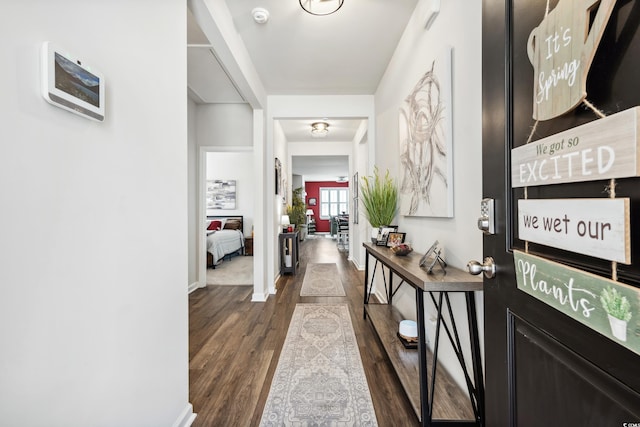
{"type": "Point", "coordinates": [285, 222]}
{"type": "Point", "coordinates": [221, 194]}
{"type": "Point", "coordinates": [395, 238]}
{"type": "Point", "coordinates": [383, 234]}
{"type": "Point", "coordinates": [401, 249]}
{"type": "Point", "coordinates": [426, 157]}
{"type": "Point", "coordinates": [380, 201]}
{"type": "Point", "coordinates": [432, 257]}
{"type": "Point", "coordinates": [408, 333]}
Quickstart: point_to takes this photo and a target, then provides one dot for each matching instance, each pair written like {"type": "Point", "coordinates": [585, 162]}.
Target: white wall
{"type": "Point", "coordinates": [224, 125]}
{"type": "Point", "coordinates": [93, 284]}
{"type": "Point", "coordinates": [237, 166]}
{"type": "Point", "coordinates": [458, 25]}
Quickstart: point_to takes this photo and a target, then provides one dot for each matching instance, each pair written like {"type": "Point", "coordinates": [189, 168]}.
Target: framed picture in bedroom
{"type": "Point", "coordinates": [221, 194]}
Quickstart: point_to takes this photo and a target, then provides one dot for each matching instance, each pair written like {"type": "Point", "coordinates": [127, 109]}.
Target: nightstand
{"type": "Point", "coordinates": [248, 246]}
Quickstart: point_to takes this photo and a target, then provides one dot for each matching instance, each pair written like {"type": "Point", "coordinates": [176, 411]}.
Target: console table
{"type": "Point", "coordinates": [384, 319]}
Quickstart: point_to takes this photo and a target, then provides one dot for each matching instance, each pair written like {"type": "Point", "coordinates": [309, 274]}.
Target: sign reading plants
{"type": "Point", "coordinates": [596, 227]}
{"type": "Point", "coordinates": [608, 307]}
{"type": "Point", "coordinates": [561, 50]}
{"type": "Point", "coordinates": [602, 149]}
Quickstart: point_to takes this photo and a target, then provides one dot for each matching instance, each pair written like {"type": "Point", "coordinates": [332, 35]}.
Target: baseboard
{"type": "Point", "coordinates": [194, 286]}
{"type": "Point", "coordinates": [356, 265]}
{"type": "Point", "coordinates": [186, 417]}
{"type": "Point", "coordinates": [257, 297]}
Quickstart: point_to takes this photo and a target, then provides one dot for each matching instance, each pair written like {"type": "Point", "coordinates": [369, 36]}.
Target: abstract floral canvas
{"type": "Point", "coordinates": [426, 167]}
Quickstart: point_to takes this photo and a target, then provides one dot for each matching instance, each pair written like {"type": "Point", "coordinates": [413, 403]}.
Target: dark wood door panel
{"type": "Point", "coordinates": [552, 385]}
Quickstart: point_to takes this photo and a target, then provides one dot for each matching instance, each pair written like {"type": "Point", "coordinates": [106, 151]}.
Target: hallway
{"type": "Point", "coordinates": [234, 345]}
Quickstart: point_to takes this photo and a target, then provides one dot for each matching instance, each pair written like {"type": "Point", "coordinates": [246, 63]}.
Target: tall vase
{"type": "Point", "coordinates": [374, 234]}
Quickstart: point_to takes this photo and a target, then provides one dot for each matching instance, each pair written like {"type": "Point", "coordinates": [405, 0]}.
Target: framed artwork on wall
{"type": "Point", "coordinates": [426, 147]}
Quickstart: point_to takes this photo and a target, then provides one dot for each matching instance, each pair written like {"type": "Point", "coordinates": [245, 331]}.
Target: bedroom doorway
{"type": "Point", "coordinates": [225, 195]}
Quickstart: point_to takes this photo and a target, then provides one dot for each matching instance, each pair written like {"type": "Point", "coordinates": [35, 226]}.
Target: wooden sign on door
{"type": "Point", "coordinates": [595, 227]}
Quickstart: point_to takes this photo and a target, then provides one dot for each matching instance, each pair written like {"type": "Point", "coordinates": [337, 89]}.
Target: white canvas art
{"type": "Point", "coordinates": [426, 166]}
{"type": "Point", "coordinates": [221, 194]}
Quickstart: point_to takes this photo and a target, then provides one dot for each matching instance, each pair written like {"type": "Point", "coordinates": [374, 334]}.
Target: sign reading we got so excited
{"type": "Point", "coordinates": [602, 149]}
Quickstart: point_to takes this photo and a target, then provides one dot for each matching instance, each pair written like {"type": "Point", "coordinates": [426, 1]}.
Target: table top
{"type": "Point", "coordinates": [451, 280]}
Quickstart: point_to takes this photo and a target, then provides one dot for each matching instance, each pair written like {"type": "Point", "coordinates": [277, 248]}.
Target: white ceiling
{"type": "Point", "coordinates": [295, 53]}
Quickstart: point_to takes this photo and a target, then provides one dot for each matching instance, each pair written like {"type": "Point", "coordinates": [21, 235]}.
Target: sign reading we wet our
{"type": "Point", "coordinates": [595, 227]}
{"type": "Point", "coordinates": [602, 149]}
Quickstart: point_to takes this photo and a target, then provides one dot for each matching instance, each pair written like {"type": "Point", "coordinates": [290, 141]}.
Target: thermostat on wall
{"type": "Point", "coordinates": [70, 83]}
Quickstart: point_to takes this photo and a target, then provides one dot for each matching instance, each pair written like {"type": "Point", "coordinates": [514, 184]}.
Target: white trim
{"type": "Point", "coordinates": [194, 286]}
{"type": "Point", "coordinates": [256, 297]}
{"type": "Point", "coordinates": [186, 417]}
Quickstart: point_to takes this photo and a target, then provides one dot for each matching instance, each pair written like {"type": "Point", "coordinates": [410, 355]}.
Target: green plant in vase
{"type": "Point", "coordinates": [379, 199]}
{"type": "Point", "coordinates": [296, 211]}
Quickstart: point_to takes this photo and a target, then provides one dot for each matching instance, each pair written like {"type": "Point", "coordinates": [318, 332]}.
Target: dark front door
{"type": "Point", "coordinates": [543, 368]}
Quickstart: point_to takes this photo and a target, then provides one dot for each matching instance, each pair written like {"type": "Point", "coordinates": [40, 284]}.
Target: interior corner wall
{"type": "Point", "coordinates": [458, 25]}
{"type": "Point", "coordinates": [192, 198]}
{"type": "Point", "coordinates": [93, 284]}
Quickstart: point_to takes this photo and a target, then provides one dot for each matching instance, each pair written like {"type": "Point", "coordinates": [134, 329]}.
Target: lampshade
{"type": "Point", "coordinates": [285, 220]}
{"type": "Point", "coordinates": [321, 7]}
{"type": "Point", "coordinates": [319, 129]}
{"type": "Point", "coordinates": [309, 212]}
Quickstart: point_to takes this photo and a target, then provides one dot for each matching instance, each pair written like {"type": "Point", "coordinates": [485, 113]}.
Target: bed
{"type": "Point", "coordinates": [225, 238]}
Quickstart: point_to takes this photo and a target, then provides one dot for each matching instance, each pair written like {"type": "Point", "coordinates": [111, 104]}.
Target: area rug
{"type": "Point", "coordinates": [234, 271]}
{"type": "Point", "coordinates": [319, 380]}
{"type": "Point", "coordinates": [322, 280]}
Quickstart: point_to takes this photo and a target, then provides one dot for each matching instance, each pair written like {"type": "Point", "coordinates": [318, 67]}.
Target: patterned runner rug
{"type": "Point", "coordinates": [322, 280]}
{"type": "Point", "coordinates": [319, 380]}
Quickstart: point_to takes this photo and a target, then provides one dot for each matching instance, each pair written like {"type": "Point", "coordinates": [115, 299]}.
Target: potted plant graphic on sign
{"type": "Point", "coordinates": [618, 311]}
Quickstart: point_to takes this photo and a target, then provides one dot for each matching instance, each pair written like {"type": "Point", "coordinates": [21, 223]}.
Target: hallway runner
{"type": "Point", "coordinates": [319, 380]}
{"type": "Point", "coordinates": [322, 280]}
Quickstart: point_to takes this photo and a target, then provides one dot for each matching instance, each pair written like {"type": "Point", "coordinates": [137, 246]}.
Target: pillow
{"type": "Point", "coordinates": [215, 225]}
{"type": "Point", "coordinates": [232, 224]}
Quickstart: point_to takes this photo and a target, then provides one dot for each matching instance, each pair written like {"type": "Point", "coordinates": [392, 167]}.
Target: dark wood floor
{"type": "Point", "coordinates": [234, 345]}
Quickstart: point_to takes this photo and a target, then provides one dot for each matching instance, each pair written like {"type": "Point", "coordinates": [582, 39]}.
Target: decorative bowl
{"type": "Point", "coordinates": [402, 249]}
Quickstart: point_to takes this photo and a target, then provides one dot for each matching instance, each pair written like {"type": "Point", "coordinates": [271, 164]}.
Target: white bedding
{"type": "Point", "coordinates": [224, 242]}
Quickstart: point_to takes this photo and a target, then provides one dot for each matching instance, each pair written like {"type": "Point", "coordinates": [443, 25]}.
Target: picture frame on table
{"type": "Point", "coordinates": [395, 238]}
{"type": "Point", "coordinates": [383, 234]}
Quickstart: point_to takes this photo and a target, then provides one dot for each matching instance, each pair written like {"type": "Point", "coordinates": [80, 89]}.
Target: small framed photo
{"type": "Point", "coordinates": [395, 238]}
{"type": "Point", "coordinates": [313, 201]}
{"type": "Point", "coordinates": [383, 234]}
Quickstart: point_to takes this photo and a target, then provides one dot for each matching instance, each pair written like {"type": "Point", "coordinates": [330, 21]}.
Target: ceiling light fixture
{"type": "Point", "coordinates": [319, 129]}
{"type": "Point", "coordinates": [321, 7]}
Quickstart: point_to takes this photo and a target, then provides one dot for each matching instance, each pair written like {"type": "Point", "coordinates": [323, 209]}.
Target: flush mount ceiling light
{"type": "Point", "coordinates": [321, 7]}
{"type": "Point", "coordinates": [319, 129]}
